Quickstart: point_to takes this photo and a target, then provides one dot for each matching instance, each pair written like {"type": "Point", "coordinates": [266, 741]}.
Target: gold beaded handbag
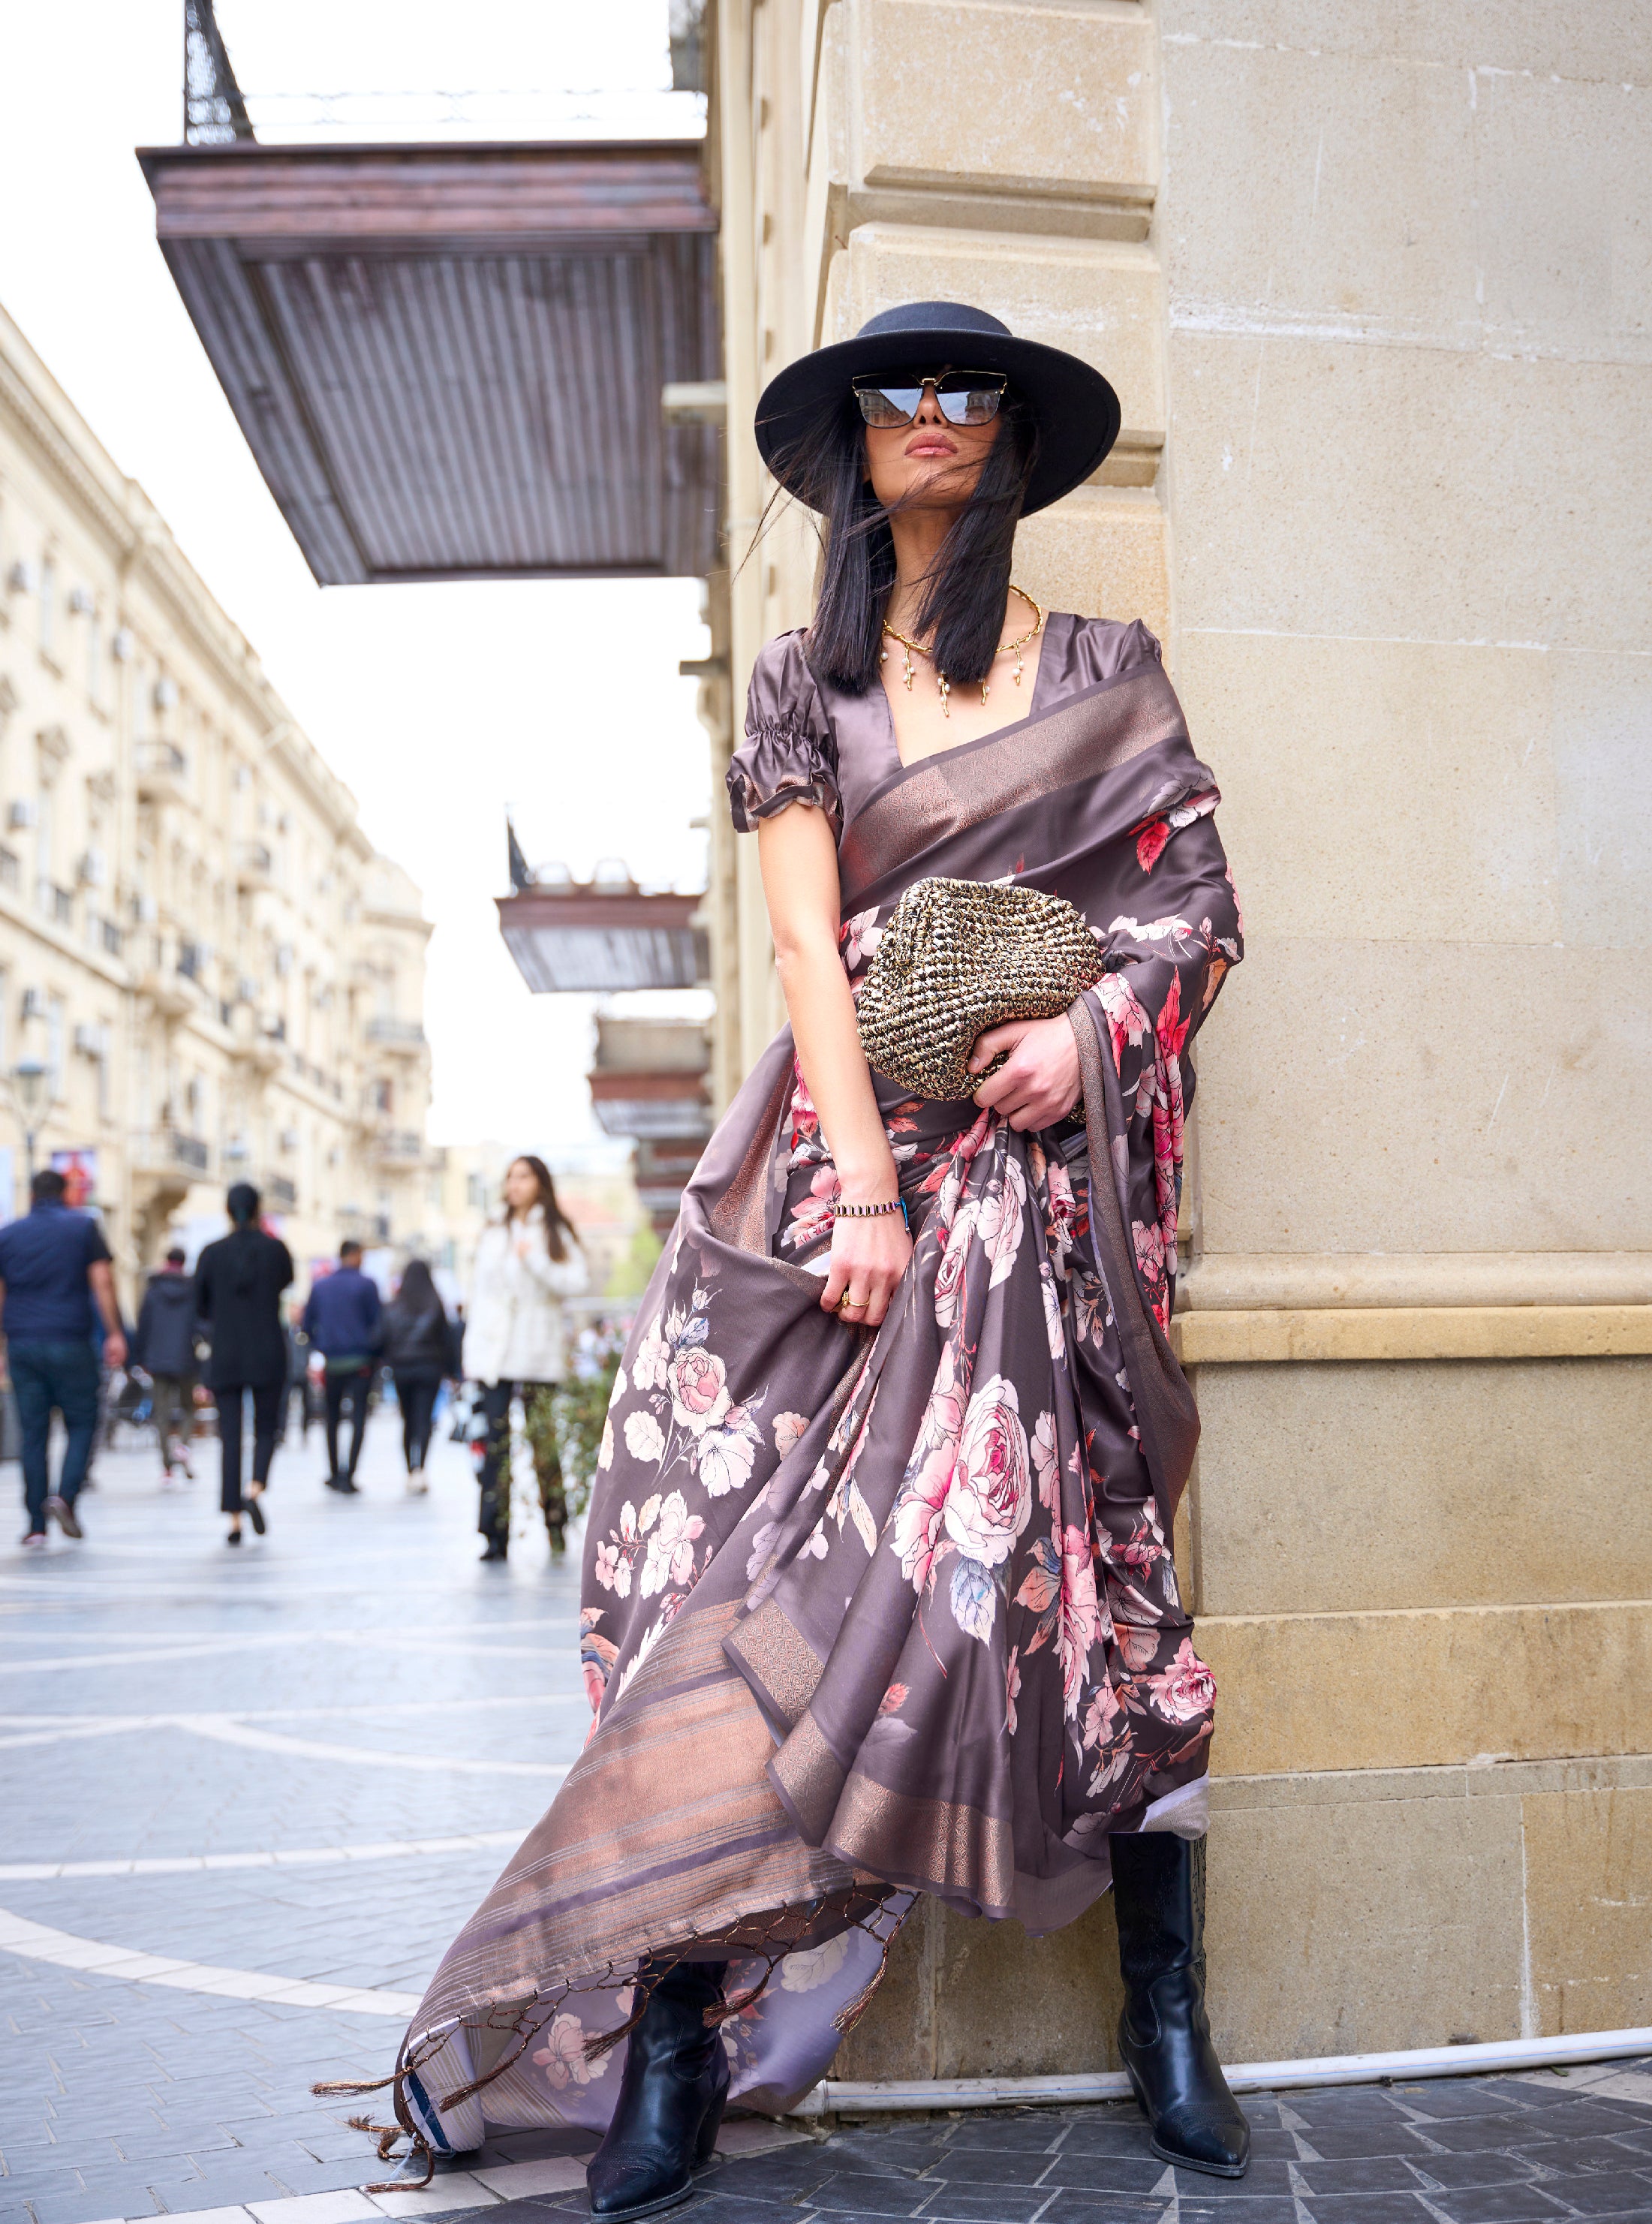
{"type": "Point", "coordinates": [957, 958]}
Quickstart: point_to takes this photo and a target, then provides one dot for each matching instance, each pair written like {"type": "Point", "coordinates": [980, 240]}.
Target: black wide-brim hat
{"type": "Point", "coordinates": [1076, 409]}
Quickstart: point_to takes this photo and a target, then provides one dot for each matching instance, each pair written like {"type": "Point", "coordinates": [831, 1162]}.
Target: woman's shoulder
{"type": "Point", "coordinates": [1100, 648]}
{"type": "Point", "coordinates": [783, 689]}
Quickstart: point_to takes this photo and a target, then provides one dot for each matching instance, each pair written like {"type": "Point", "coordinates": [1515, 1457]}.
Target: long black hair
{"type": "Point", "coordinates": [559, 1229]}
{"type": "Point", "coordinates": [418, 1293]}
{"type": "Point", "coordinates": [962, 616]}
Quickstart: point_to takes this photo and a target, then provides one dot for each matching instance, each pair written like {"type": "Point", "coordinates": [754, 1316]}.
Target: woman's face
{"type": "Point", "coordinates": [522, 1186]}
{"type": "Point", "coordinates": [928, 465]}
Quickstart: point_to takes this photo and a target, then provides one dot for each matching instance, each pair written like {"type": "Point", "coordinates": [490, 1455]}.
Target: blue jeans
{"type": "Point", "coordinates": [65, 1375]}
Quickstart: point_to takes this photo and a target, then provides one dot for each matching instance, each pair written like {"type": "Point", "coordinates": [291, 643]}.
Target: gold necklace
{"type": "Point", "coordinates": [944, 686]}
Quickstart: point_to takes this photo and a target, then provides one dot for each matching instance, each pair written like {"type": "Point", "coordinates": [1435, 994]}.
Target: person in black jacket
{"type": "Point", "coordinates": [421, 1349]}
{"type": "Point", "coordinates": [238, 1284]}
{"type": "Point", "coordinates": [163, 1345]}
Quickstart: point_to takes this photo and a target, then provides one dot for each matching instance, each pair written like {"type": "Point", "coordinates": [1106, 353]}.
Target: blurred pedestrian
{"type": "Point", "coordinates": [421, 1349]}
{"type": "Point", "coordinates": [238, 1284]}
{"type": "Point", "coordinates": [343, 1322]}
{"type": "Point", "coordinates": [516, 1339]}
{"type": "Point", "coordinates": [163, 1345]}
{"type": "Point", "coordinates": [56, 1282]}
{"type": "Point", "coordinates": [298, 1384]}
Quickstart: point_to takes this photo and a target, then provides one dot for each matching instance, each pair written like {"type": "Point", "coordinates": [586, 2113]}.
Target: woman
{"type": "Point", "coordinates": [420, 1350]}
{"type": "Point", "coordinates": [516, 1339]}
{"type": "Point", "coordinates": [879, 1593]}
{"type": "Point", "coordinates": [238, 1284]}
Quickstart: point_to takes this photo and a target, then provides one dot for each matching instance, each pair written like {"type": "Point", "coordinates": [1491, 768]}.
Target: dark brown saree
{"type": "Point", "coordinates": [870, 1614]}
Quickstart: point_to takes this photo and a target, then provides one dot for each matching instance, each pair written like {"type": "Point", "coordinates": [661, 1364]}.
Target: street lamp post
{"type": "Point", "coordinates": [28, 1085]}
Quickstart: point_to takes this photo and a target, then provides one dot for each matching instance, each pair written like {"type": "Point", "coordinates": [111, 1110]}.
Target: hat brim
{"type": "Point", "coordinates": [1077, 410]}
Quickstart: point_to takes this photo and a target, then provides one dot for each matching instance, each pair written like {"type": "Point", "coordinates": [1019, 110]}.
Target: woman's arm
{"type": "Point", "coordinates": [799, 864]}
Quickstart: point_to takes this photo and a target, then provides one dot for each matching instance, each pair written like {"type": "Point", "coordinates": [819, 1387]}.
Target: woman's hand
{"type": "Point", "coordinates": [869, 1255]}
{"type": "Point", "coordinates": [1038, 1084]}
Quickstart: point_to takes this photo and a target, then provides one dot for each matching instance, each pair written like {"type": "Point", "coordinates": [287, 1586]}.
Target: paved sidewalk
{"type": "Point", "coordinates": [252, 1795]}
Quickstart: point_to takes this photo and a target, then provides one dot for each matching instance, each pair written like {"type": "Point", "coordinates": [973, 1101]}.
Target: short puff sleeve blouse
{"type": "Point", "coordinates": [788, 755]}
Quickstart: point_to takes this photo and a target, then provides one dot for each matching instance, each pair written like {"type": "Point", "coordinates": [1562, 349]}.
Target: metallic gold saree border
{"type": "Point", "coordinates": [776, 1655]}
{"type": "Point", "coordinates": [666, 1832]}
{"type": "Point", "coordinates": [956, 1852]}
{"type": "Point", "coordinates": [1090, 735]}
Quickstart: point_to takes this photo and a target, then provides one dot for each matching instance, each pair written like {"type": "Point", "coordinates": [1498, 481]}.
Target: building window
{"type": "Point", "coordinates": [48, 604]}
{"type": "Point", "coordinates": [54, 1047]}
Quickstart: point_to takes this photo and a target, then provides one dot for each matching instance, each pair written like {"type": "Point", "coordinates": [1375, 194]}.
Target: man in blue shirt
{"type": "Point", "coordinates": [54, 1273]}
{"type": "Point", "coordinates": [342, 1321]}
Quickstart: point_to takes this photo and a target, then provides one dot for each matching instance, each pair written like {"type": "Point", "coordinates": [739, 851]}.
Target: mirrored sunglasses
{"type": "Point", "coordinates": [889, 399]}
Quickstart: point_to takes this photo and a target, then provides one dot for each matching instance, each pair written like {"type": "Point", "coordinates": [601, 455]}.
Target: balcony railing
{"type": "Point", "coordinates": [396, 1034]}
{"type": "Point", "coordinates": [400, 1146]}
{"type": "Point", "coordinates": [162, 770]}
{"type": "Point", "coordinates": [163, 1150]}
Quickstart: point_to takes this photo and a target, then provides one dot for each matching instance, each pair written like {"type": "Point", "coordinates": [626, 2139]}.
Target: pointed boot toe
{"type": "Point", "coordinates": [1213, 2136]}
{"type": "Point", "coordinates": [626, 2182]}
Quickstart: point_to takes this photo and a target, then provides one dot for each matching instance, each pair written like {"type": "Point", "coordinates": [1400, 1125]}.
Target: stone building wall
{"type": "Point", "coordinates": [196, 936]}
{"type": "Point", "coordinates": [1375, 287]}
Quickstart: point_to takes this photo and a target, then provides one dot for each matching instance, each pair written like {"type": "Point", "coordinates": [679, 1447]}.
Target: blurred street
{"type": "Point", "coordinates": [251, 1768]}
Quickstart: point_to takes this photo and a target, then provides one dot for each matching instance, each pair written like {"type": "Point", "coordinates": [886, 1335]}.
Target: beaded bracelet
{"type": "Point", "coordinates": [871, 1212]}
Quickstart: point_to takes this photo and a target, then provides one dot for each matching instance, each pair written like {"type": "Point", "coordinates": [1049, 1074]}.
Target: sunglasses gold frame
{"type": "Point", "coordinates": [985, 382]}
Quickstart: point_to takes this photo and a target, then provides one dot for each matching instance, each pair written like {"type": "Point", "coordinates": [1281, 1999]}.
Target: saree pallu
{"type": "Point", "coordinates": [868, 1614]}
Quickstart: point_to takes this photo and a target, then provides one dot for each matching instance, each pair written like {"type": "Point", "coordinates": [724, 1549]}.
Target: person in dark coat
{"type": "Point", "coordinates": [56, 1281]}
{"type": "Point", "coordinates": [163, 1345]}
{"type": "Point", "coordinates": [341, 1320]}
{"type": "Point", "coordinates": [238, 1284]}
{"type": "Point", "coordinates": [421, 1348]}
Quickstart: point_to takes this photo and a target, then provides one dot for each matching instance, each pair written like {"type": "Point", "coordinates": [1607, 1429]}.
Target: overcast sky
{"type": "Point", "coordinates": [434, 703]}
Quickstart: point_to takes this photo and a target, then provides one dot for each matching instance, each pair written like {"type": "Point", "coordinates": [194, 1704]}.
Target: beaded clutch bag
{"type": "Point", "coordinates": [957, 958]}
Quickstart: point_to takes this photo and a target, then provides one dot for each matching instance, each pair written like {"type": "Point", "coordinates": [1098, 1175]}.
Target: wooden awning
{"type": "Point", "coordinates": [449, 360]}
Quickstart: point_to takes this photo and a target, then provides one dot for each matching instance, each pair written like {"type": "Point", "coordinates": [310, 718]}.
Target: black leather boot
{"type": "Point", "coordinates": [671, 2100]}
{"type": "Point", "coordinates": [1158, 1889]}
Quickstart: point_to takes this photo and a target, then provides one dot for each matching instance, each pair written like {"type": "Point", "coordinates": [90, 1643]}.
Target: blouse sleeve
{"type": "Point", "coordinates": [788, 755]}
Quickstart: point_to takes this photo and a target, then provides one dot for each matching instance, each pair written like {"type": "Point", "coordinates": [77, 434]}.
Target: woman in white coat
{"type": "Point", "coordinates": [516, 1337]}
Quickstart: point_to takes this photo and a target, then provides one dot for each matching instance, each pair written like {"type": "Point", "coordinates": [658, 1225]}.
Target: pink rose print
{"type": "Point", "coordinates": [915, 1534]}
{"type": "Point", "coordinates": [789, 1430]}
{"type": "Point", "coordinates": [1003, 1210]}
{"type": "Point", "coordinates": [562, 2056]}
{"type": "Point", "coordinates": [698, 1383]}
{"type": "Point", "coordinates": [1081, 1614]}
{"type": "Point", "coordinates": [990, 1502]}
{"type": "Point", "coordinates": [813, 1215]}
{"type": "Point", "coordinates": [1046, 1463]}
{"type": "Point", "coordinates": [1187, 1690]}
{"type": "Point", "coordinates": [949, 1280]}
{"type": "Point", "coordinates": [1127, 1023]}
{"type": "Point", "coordinates": [670, 1545]}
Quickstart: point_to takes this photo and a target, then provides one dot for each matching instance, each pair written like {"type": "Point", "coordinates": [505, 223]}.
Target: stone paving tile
{"type": "Point", "coordinates": [1498, 2204]}
{"type": "Point", "coordinates": [123, 2100]}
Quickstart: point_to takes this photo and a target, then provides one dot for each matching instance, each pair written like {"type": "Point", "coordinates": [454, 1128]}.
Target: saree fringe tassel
{"type": "Point", "coordinates": [851, 2014]}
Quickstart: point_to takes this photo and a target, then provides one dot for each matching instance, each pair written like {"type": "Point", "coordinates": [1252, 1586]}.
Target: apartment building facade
{"type": "Point", "coordinates": [206, 973]}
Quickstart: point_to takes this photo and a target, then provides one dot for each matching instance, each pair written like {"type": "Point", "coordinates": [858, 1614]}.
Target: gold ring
{"type": "Point", "coordinates": [846, 1304]}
